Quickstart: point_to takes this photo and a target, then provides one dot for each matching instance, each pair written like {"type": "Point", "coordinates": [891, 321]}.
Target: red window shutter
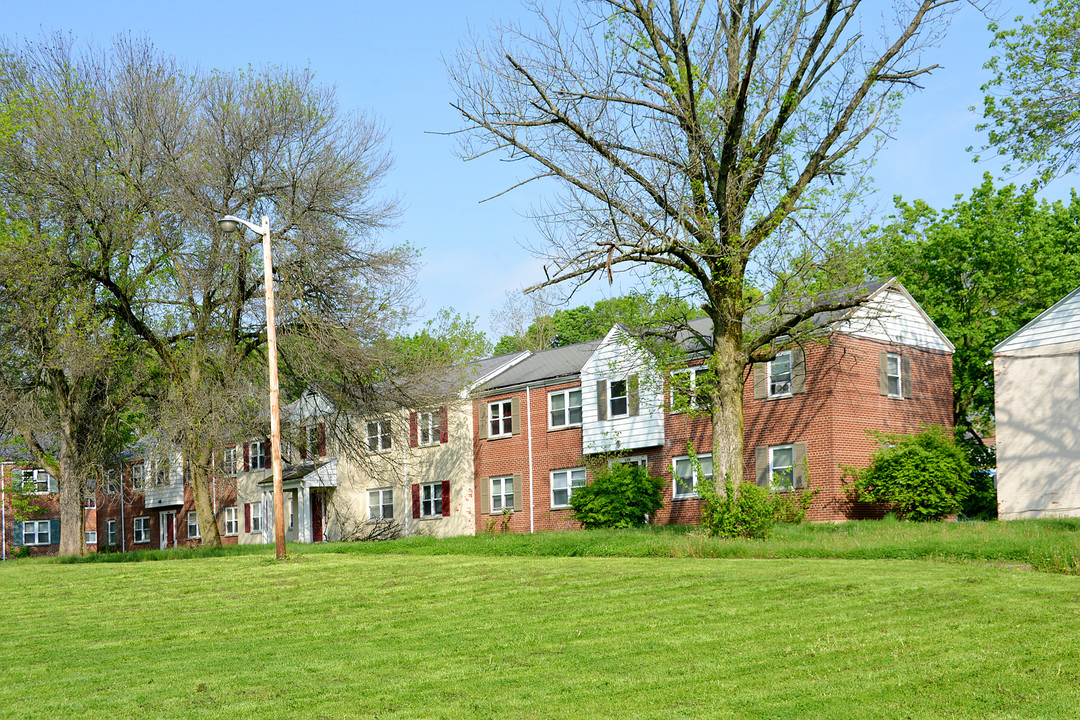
{"type": "Point", "coordinates": [412, 430]}
{"type": "Point", "coordinates": [303, 442]}
{"type": "Point", "coordinates": [322, 439]}
{"type": "Point", "coordinates": [445, 495]}
{"type": "Point", "coordinates": [416, 501]}
{"type": "Point", "coordinates": [247, 457]}
{"type": "Point", "coordinates": [444, 431]}
{"type": "Point", "coordinates": [247, 517]}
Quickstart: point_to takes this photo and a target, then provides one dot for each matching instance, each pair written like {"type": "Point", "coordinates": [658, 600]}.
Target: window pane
{"type": "Point", "coordinates": [578, 478]}
{"type": "Point", "coordinates": [560, 497]}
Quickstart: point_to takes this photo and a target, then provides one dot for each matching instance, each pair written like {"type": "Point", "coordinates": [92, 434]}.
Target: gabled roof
{"type": "Point", "coordinates": [543, 366]}
{"type": "Point", "coordinates": [1059, 323]}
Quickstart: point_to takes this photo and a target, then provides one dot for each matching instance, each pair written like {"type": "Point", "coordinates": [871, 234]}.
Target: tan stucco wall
{"type": "Point", "coordinates": [1037, 411]}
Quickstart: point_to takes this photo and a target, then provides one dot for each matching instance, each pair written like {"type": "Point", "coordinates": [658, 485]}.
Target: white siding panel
{"type": "Point", "coordinates": [1059, 324]}
{"type": "Point", "coordinates": [893, 317]}
{"type": "Point", "coordinates": [616, 359]}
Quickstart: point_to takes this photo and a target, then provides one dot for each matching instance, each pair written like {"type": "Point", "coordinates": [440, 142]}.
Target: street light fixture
{"type": "Point", "coordinates": [231, 223]}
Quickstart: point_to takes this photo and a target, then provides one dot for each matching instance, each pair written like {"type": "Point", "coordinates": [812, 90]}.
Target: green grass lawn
{"type": "Point", "coordinates": [510, 634]}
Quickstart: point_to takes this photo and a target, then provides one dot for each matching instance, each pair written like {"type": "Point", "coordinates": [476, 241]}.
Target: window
{"type": "Point", "coordinates": [780, 374]}
{"type": "Point", "coordinates": [111, 485]}
{"type": "Point", "coordinates": [427, 428]}
{"type": "Point", "coordinates": [91, 537]}
{"type": "Point", "coordinates": [36, 532]}
{"type": "Point", "coordinates": [193, 525]}
{"type": "Point", "coordinates": [500, 418]}
{"type": "Point", "coordinates": [232, 524]}
{"type": "Point", "coordinates": [634, 460]}
{"type": "Point", "coordinates": [314, 440]}
{"type": "Point", "coordinates": [256, 517]}
{"type": "Point", "coordinates": [563, 483]}
{"type": "Point", "coordinates": [259, 454]}
{"type": "Point", "coordinates": [893, 375]}
{"type": "Point", "coordinates": [684, 389]}
{"type": "Point", "coordinates": [781, 467]}
{"type": "Point", "coordinates": [565, 408]}
{"type": "Point", "coordinates": [290, 510]}
{"type": "Point", "coordinates": [138, 476]}
{"type": "Point", "coordinates": [502, 494]}
{"type": "Point", "coordinates": [90, 503]}
{"type": "Point", "coordinates": [228, 461]}
{"type": "Point", "coordinates": [686, 475]}
{"type": "Point", "coordinates": [617, 399]}
{"type": "Point", "coordinates": [378, 435]}
{"type": "Point", "coordinates": [161, 473]}
{"type": "Point", "coordinates": [381, 504]}
{"type": "Point", "coordinates": [142, 529]}
{"type": "Point", "coordinates": [39, 482]}
{"type": "Point", "coordinates": [110, 528]}
{"type": "Point", "coordinates": [431, 500]}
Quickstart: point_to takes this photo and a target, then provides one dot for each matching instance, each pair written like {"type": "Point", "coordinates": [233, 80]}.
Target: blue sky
{"type": "Point", "coordinates": [386, 58]}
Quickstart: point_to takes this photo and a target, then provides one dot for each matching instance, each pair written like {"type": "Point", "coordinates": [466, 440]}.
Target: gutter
{"type": "Point", "coordinates": [528, 415]}
{"type": "Point", "coordinates": [3, 512]}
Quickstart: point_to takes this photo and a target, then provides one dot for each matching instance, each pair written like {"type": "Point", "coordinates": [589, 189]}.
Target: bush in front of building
{"type": "Point", "coordinates": [922, 476]}
{"type": "Point", "coordinates": [737, 510]}
{"type": "Point", "coordinates": [620, 496]}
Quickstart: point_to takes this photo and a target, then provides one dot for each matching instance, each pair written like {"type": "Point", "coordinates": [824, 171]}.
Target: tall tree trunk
{"type": "Point", "coordinates": [198, 457]}
{"type": "Point", "coordinates": [727, 411]}
{"type": "Point", "coordinates": [72, 520]}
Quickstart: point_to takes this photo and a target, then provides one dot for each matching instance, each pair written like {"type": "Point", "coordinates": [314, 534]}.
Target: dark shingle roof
{"type": "Point", "coordinates": [544, 365]}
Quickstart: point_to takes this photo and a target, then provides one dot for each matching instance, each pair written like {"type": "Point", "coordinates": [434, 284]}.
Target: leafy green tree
{"type": "Point", "coordinates": [922, 476]}
{"type": "Point", "coordinates": [1031, 109]}
{"type": "Point", "coordinates": [716, 144]}
{"type": "Point", "coordinates": [982, 269]}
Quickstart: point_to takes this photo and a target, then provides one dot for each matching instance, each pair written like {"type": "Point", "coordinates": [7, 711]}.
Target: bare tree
{"type": "Point", "coordinates": [721, 143]}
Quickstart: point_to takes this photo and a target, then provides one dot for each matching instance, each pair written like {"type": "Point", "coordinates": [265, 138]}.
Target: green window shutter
{"type": "Point", "coordinates": [54, 531]}
{"type": "Point", "coordinates": [798, 371]}
{"type": "Point", "coordinates": [517, 492]}
{"type": "Point", "coordinates": [601, 399]}
{"type": "Point", "coordinates": [485, 496]}
{"type": "Point", "coordinates": [17, 484]}
{"type": "Point", "coordinates": [798, 474]}
{"type": "Point", "coordinates": [632, 394]}
{"type": "Point", "coordinates": [905, 376]}
{"type": "Point", "coordinates": [760, 378]}
{"type": "Point", "coordinates": [882, 373]}
{"type": "Point", "coordinates": [761, 465]}
{"type": "Point", "coordinates": [17, 529]}
{"type": "Point", "coordinates": [515, 416]}
{"type": "Point", "coordinates": [483, 420]}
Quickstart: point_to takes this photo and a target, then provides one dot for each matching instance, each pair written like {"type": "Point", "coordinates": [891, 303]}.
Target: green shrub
{"type": "Point", "coordinates": [620, 496]}
{"type": "Point", "coordinates": [924, 476]}
{"type": "Point", "coordinates": [743, 510]}
{"type": "Point", "coordinates": [790, 507]}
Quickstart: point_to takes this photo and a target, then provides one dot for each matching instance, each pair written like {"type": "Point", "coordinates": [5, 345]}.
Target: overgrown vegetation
{"type": "Point", "coordinates": [748, 511]}
{"type": "Point", "coordinates": [922, 476]}
{"type": "Point", "coordinates": [620, 496]}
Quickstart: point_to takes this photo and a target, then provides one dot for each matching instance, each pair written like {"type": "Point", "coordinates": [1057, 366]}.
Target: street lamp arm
{"type": "Point", "coordinates": [240, 221]}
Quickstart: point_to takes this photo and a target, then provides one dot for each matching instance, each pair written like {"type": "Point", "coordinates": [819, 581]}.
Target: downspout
{"type": "Point", "coordinates": [3, 512]}
{"type": "Point", "coordinates": [123, 527]}
{"type": "Point", "coordinates": [405, 467]}
{"type": "Point", "coordinates": [528, 415]}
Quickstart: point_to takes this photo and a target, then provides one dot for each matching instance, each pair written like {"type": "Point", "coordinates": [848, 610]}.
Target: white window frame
{"type": "Point", "coordinates": [258, 449]}
{"type": "Point", "coordinates": [141, 529]}
{"type": "Point", "coordinates": [256, 517]}
{"type": "Point", "coordinates": [161, 473]}
{"type": "Point", "coordinates": [502, 494]}
{"type": "Point", "coordinates": [636, 460]}
{"type": "Point", "coordinates": [90, 502]}
{"type": "Point", "coordinates": [112, 486]}
{"type": "Point", "coordinates": [500, 418]}
{"type": "Point", "coordinates": [138, 476]}
{"type": "Point", "coordinates": [691, 390]}
{"type": "Point", "coordinates": [90, 536]}
{"type": "Point", "coordinates": [567, 409]}
{"type": "Point", "coordinates": [428, 428]}
{"type": "Point", "coordinates": [774, 468]}
{"type": "Point", "coordinates": [193, 521]}
{"type": "Point", "coordinates": [232, 521]}
{"type": "Point", "coordinates": [783, 388]}
{"type": "Point", "coordinates": [382, 500]}
{"type": "Point", "coordinates": [381, 440]}
{"type": "Point", "coordinates": [228, 461]}
{"type": "Point", "coordinates": [37, 524]}
{"type": "Point", "coordinates": [110, 532]}
{"type": "Point", "coordinates": [32, 480]}
{"type": "Point", "coordinates": [890, 359]}
{"type": "Point", "coordinates": [612, 397]}
{"type": "Point", "coordinates": [706, 466]}
{"type": "Point", "coordinates": [311, 441]}
{"type": "Point", "coordinates": [431, 500]}
{"type": "Point", "coordinates": [565, 481]}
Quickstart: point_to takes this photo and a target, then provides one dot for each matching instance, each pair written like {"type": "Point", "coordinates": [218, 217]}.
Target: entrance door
{"type": "Point", "coordinates": [167, 522]}
{"type": "Point", "coordinates": [316, 517]}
